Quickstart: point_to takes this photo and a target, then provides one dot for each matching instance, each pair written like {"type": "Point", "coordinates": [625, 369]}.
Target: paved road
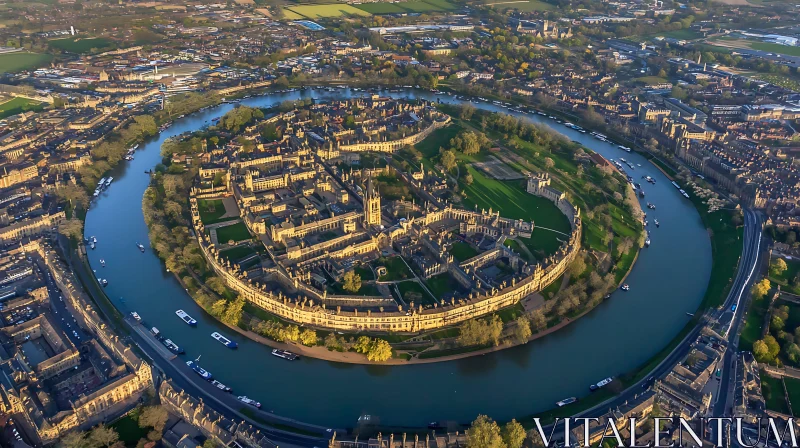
{"type": "Point", "coordinates": [748, 268]}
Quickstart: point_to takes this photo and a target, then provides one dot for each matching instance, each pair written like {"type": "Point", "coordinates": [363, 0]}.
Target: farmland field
{"type": "Point", "coordinates": [291, 15]}
{"type": "Point", "coordinates": [18, 105]}
{"type": "Point", "coordinates": [74, 45]}
{"type": "Point", "coordinates": [522, 5]}
{"type": "Point", "coordinates": [15, 62]}
{"type": "Point", "coordinates": [323, 11]}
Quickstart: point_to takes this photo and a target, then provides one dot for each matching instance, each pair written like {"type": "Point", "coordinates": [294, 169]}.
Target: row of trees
{"type": "Point", "coordinates": [152, 418]}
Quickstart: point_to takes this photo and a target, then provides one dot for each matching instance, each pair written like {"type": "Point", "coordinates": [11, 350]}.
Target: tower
{"type": "Point", "coordinates": [372, 205]}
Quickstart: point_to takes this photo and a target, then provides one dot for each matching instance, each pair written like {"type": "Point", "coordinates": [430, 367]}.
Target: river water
{"type": "Point", "coordinates": [668, 280]}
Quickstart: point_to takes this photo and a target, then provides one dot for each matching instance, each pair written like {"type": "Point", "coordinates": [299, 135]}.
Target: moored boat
{"type": "Point", "coordinates": [249, 401]}
{"type": "Point", "coordinates": [221, 386]}
{"type": "Point", "coordinates": [625, 287]}
{"type": "Point", "coordinates": [285, 354]}
{"type": "Point", "coordinates": [601, 384]}
{"type": "Point", "coordinates": [206, 375]}
{"type": "Point", "coordinates": [140, 246]}
{"type": "Point", "coordinates": [186, 318]}
{"type": "Point", "coordinates": [136, 316]}
{"type": "Point", "coordinates": [566, 401]}
{"type": "Point", "coordinates": [173, 347]}
{"type": "Point", "coordinates": [223, 340]}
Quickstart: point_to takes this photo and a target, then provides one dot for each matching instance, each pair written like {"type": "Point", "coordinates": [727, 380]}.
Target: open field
{"type": "Point", "coordinates": [651, 80]}
{"type": "Point", "coordinates": [496, 169]}
{"type": "Point", "coordinates": [382, 8]}
{"type": "Point", "coordinates": [463, 251]}
{"type": "Point", "coordinates": [407, 7]}
{"type": "Point", "coordinates": [235, 232]}
{"type": "Point", "coordinates": [74, 45]}
{"type": "Point", "coordinates": [323, 11]}
{"type": "Point", "coordinates": [15, 62]}
{"type": "Point", "coordinates": [18, 105]}
{"type": "Point", "coordinates": [211, 210]}
{"type": "Point", "coordinates": [291, 15]}
{"type": "Point", "coordinates": [785, 279]}
{"type": "Point", "coordinates": [521, 5]}
{"type": "Point", "coordinates": [774, 395]}
{"type": "Point", "coordinates": [775, 48]}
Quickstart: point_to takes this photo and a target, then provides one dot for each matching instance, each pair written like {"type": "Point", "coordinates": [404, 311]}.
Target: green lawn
{"type": "Point", "coordinates": [327, 10]}
{"type": "Point", "coordinates": [16, 62]}
{"type": "Point", "coordinates": [211, 210]}
{"type": "Point", "coordinates": [442, 284]}
{"type": "Point", "coordinates": [754, 320]}
{"type": "Point", "coordinates": [773, 393]}
{"type": "Point", "coordinates": [651, 80]}
{"type": "Point", "coordinates": [381, 8]}
{"type": "Point", "coordinates": [78, 45]}
{"type": "Point", "coordinates": [413, 292]}
{"type": "Point", "coordinates": [235, 232]}
{"type": "Point", "coordinates": [775, 48]}
{"type": "Point", "coordinates": [128, 428]}
{"type": "Point", "coordinates": [396, 269]}
{"type": "Point", "coordinates": [19, 105]}
{"type": "Point", "coordinates": [522, 6]}
{"type": "Point", "coordinates": [237, 253]}
{"type": "Point", "coordinates": [785, 279]}
{"type": "Point", "coordinates": [365, 273]}
{"type": "Point", "coordinates": [463, 251]}
{"type": "Point", "coordinates": [429, 147]}
{"type": "Point", "coordinates": [793, 390]}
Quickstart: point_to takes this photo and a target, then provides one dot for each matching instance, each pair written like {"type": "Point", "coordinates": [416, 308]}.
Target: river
{"type": "Point", "coordinates": [668, 280]}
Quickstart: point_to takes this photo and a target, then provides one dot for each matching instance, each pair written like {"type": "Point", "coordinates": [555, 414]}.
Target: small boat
{"type": "Point", "coordinates": [625, 287]}
{"type": "Point", "coordinates": [155, 332]}
{"type": "Point", "coordinates": [651, 206]}
{"type": "Point", "coordinates": [141, 247]}
{"type": "Point", "coordinates": [601, 384]}
{"type": "Point", "coordinates": [641, 193]}
{"type": "Point", "coordinates": [102, 262]}
{"type": "Point", "coordinates": [92, 246]}
{"type": "Point", "coordinates": [249, 401]}
{"type": "Point", "coordinates": [136, 316]}
{"type": "Point", "coordinates": [206, 375]}
{"type": "Point", "coordinates": [103, 281]}
{"type": "Point", "coordinates": [646, 243]}
{"type": "Point", "coordinates": [566, 401]}
{"type": "Point", "coordinates": [173, 347]}
{"type": "Point", "coordinates": [690, 314]}
{"type": "Point", "coordinates": [223, 340]}
{"type": "Point", "coordinates": [221, 386]}
{"type": "Point", "coordinates": [93, 239]}
{"type": "Point", "coordinates": [656, 222]}
{"type": "Point", "coordinates": [285, 354]}
{"type": "Point", "coordinates": [186, 318]}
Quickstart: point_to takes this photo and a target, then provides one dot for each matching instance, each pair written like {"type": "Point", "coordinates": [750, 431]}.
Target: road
{"type": "Point", "coordinates": [746, 275]}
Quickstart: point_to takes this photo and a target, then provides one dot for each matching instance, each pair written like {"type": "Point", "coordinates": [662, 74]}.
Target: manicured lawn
{"type": "Point", "coordinates": [15, 62]}
{"type": "Point", "coordinates": [413, 292]}
{"type": "Point", "coordinates": [128, 428]}
{"type": "Point", "coordinates": [236, 232]}
{"type": "Point", "coordinates": [463, 251]}
{"type": "Point", "coordinates": [793, 390]}
{"type": "Point", "coordinates": [381, 8]}
{"type": "Point", "coordinates": [331, 10]}
{"type": "Point", "coordinates": [438, 138]}
{"type": "Point", "coordinates": [291, 15]}
{"type": "Point", "coordinates": [651, 80]}
{"type": "Point", "coordinates": [754, 320]}
{"type": "Point", "coordinates": [19, 105]}
{"type": "Point", "coordinates": [211, 210]}
{"type": "Point", "coordinates": [516, 247]}
{"type": "Point", "coordinates": [785, 278]}
{"type": "Point", "coordinates": [365, 273]}
{"type": "Point", "coordinates": [773, 393]}
{"type": "Point", "coordinates": [775, 48]}
{"type": "Point", "coordinates": [77, 45]}
{"type": "Point", "coordinates": [396, 269]}
{"type": "Point", "coordinates": [442, 284]}
{"type": "Point", "coordinates": [237, 253]}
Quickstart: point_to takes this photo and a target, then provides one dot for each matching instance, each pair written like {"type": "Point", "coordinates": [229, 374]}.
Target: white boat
{"type": "Point", "coordinates": [601, 384]}
{"type": "Point", "coordinates": [108, 182]}
{"type": "Point", "coordinates": [656, 222]}
{"type": "Point", "coordinates": [566, 401]}
{"type": "Point", "coordinates": [141, 247]}
{"type": "Point", "coordinates": [155, 332]}
{"type": "Point", "coordinates": [221, 386]}
{"type": "Point", "coordinates": [206, 375]}
{"type": "Point", "coordinates": [173, 347]}
{"type": "Point", "coordinates": [136, 316]}
{"type": "Point", "coordinates": [625, 287]}
{"type": "Point", "coordinates": [249, 401]}
{"type": "Point", "coordinates": [284, 354]}
{"type": "Point", "coordinates": [103, 262]}
{"type": "Point", "coordinates": [223, 340]}
{"type": "Point", "coordinates": [186, 318]}
{"type": "Point", "coordinates": [646, 244]}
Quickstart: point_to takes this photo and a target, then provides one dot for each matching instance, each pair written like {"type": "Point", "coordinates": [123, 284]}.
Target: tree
{"type": "Point", "coordinates": [448, 159]}
{"type": "Point", "coordinates": [522, 331]}
{"type": "Point", "coordinates": [577, 267]}
{"type": "Point", "coordinates": [778, 267]}
{"type": "Point", "coordinates": [235, 311]}
{"type": "Point", "coordinates": [308, 337]}
{"type": "Point", "coordinates": [379, 350]}
{"type": "Point", "coordinates": [219, 307]}
{"type": "Point", "coordinates": [513, 434]}
{"type": "Point", "coordinates": [468, 179]}
{"type": "Point", "coordinates": [538, 320]}
{"type": "Point", "coordinates": [760, 351]}
{"type": "Point", "coordinates": [74, 439]}
{"type": "Point", "coordinates": [549, 163]}
{"type": "Point", "coordinates": [352, 281]}
{"type": "Point", "coordinates": [777, 324]}
{"type": "Point", "coordinates": [71, 228]}
{"type": "Point", "coordinates": [153, 417]}
{"type": "Point", "coordinates": [761, 289]}
{"type": "Point", "coordinates": [792, 353]}
{"type": "Point", "coordinates": [484, 433]}
{"type": "Point", "coordinates": [209, 444]}
{"type": "Point", "coordinates": [102, 435]}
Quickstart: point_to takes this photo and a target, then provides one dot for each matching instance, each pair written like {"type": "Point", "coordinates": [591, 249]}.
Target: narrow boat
{"type": "Point", "coordinates": [206, 375]}
{"type": "Point", "coordinates": [221, 386]}
{"type": "Point", "coordinates": [186, 318]}
{"type": "Point", "coordinates": [601, 384]}
{"type": "Point", "coordinates": [249, 401]}
{"type": "Point", "coordinates": [284, 354]}
{"type": "Point", "coordinates": [223, 340]}
{"type": "Point", "coordinates": [566, 401]}
{"type": "Point", "coordinates": [173, 347]}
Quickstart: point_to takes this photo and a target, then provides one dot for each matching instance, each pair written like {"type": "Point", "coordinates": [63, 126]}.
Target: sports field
{"type": "Point", "coordinates": [521, 5]}
{"type": "Point", "coordinates": [324, 11]}
{"type": "Point", "coordinates": [77, 45]}
{"type": "Point", "coordinates": [15, 62]}
{"type": "Point", "coordinates": [408, 7]}
{"type": "Point", "coordinates": [18, 105]}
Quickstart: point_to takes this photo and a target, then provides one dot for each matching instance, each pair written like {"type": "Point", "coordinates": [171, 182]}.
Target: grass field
{"type": "Point", "coordinates": [211, 210]}
{"type": "Point", "coordinates": [463, 251]}
{"type": "Point", "coordinates": [324, 11]}
{"type": "Point", "coordinates": [754, 320]}
{"type": "Point", "coordinates": [18, 105]}
{"type": "Point", "coordinates": [793, 390]}
{"type": "Point", "coordinates": [15, 62]}
{"type": "Point", "coordinates": [396, 269]}
{"type": "Point", "coordinates": [522, 6]}
{"type": "Point", "coordinates": [128, 428]}
{"type": "Point", "coordinates": [235, 232]}
{"type": "Point", "coordinates": [237, 253]}
{"type": "Point", "coordinates": [382, 8]}
{"type": "Point", "coordinates": [775, 48]}
{"type": "Point", "coordinates": [773, 393]}
{"type": "Point", "coordinates": [651, 80]}
{"type": "Point", "coordinates": [413, 292]}
{"type": "Point", "coordinates": [785, 278]}
{"type": "Point", "coordinates": [786, 81]}
{"type": "Point", "coordinates": [291, 15]}
{"type": "Point", "coordinates": [74, 45]}
{"type": "Point", "coordinates": [442, 284]}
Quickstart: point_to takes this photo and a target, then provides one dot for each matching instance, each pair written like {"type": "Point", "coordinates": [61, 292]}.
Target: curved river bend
{"type": "Point", "coordinates": [668, 280]}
